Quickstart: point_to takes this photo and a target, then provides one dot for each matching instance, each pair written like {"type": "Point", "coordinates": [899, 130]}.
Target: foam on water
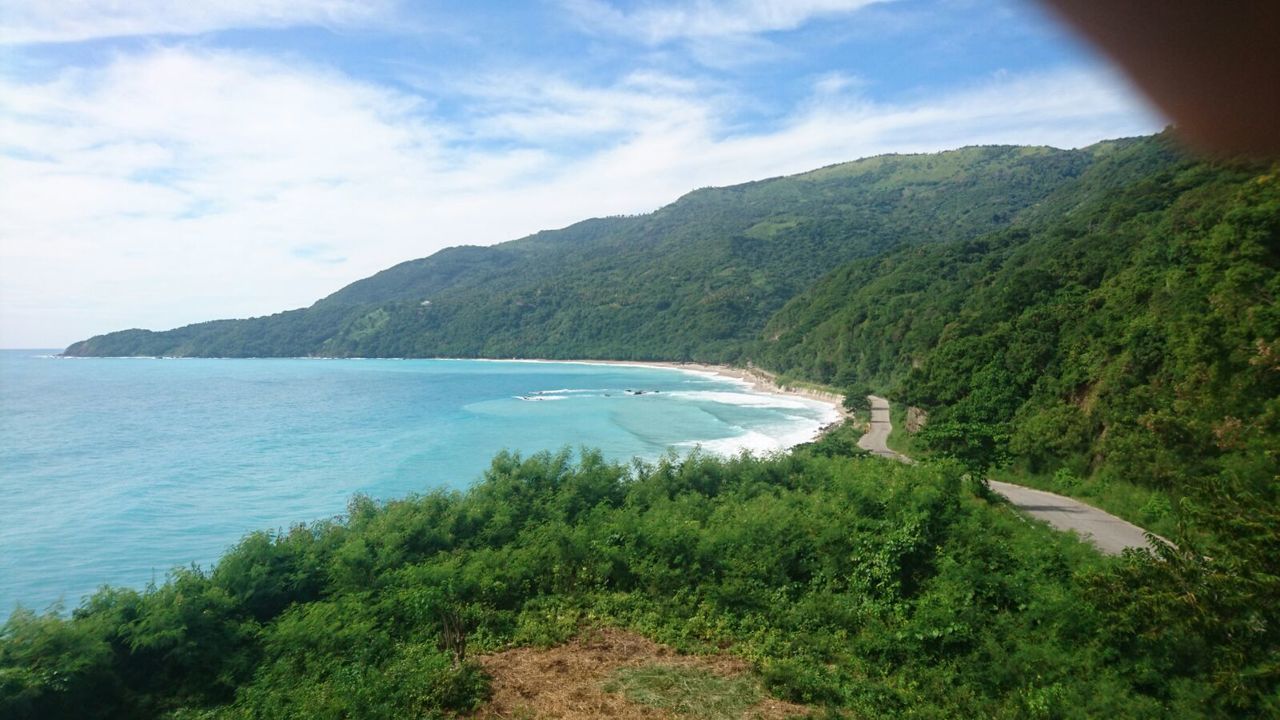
{"type": "Point", "coordinates": [744, 399]}
{"type": "Point", "coordinates": [113, 470]}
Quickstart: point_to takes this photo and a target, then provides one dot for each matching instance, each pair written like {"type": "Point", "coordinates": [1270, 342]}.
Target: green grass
{"type": "Point", "coordinates": [796, 384]}
{"type": "Point", "coordinates": [692, 692]}
{"type": "Point", "coordinates": [789, 381]}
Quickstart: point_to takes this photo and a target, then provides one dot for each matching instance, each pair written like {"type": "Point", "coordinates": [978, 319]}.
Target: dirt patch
{"type": "Point", "coordinates": [568, 681]}
{"type": "Point", "coordinates": [916, 419]}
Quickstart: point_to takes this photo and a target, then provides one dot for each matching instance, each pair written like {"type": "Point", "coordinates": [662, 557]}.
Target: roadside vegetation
{"type": "Point", "coordinates": [901, 439]}
{"type": "Point", "coordinates": [1145, 506]}
{"type": "Point", "coordinates": [1119, 344]}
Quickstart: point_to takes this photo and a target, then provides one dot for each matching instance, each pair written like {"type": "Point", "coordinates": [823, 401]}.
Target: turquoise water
{"type": "Point", "coordinates": [116, 470]}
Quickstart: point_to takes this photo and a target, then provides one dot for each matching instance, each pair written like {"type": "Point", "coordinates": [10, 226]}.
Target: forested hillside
{"type": "Point", "coordinates": [1124, 333]}
{"type": "Point", "coordinates": [697, 279]}
{"type": "Point", "coordinates": [1104, 313]}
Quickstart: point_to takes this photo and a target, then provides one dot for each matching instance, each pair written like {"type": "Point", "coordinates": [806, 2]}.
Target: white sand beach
{"type": "Point", "coordinates": [758, 381]}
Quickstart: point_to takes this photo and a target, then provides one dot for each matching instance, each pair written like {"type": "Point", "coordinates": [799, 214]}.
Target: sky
{"type": "Point", "coordinates": [166, 162]}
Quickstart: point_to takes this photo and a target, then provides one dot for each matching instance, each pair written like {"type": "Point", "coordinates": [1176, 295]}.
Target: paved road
{"type": "Point", "coordinates": [876, 438]}
{"type": "Point", "coordinates": [1109, 533]}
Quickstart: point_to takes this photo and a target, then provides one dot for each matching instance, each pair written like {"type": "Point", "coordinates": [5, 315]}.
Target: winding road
{"type": "Point", "coordinates": [1107, 532]}
{"type": "Point", "coordinates": [877, 437]}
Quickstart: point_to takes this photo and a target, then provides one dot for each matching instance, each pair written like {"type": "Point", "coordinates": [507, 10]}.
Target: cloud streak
{"type": "Point", "coordinates": [60, 21]}
{"type": "Point", "coordinates": [704, 19]}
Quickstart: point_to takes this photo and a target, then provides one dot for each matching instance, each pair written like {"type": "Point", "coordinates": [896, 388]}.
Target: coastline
{"type": "Point", "coordinates": [370, 438]}
{"type": "Point", "coordinates": [760, 381]}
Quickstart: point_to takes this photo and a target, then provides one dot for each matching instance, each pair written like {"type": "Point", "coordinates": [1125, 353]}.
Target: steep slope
{"type": "Point", "coordinates": [697, 279]}
{"type": "Point", "coordinates": [1130, 332]}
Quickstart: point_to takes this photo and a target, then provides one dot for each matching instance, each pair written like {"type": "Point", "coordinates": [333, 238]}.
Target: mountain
{"type": "Point", "coordinates": [697, 279]}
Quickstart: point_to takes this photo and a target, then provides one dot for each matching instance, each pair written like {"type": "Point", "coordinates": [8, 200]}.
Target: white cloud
{"type": "Point", "coordinates": [181, 185]}
{"type": "Point", "coordinates": [534, 109]}
{"type": "Point", "coordinates": [702, 19]}
{"type": "Point", "coordinates": [41, 21]}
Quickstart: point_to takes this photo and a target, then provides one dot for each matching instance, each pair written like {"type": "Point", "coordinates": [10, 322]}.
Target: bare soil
{"type": "Point", "coordinates": [567, 682]}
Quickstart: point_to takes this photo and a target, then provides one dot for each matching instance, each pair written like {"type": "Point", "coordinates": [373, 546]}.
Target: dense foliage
{"type": "Point", "coordinates": [1128, 331]}
{"type": "Point", "coordinates": [851, 583]}
{"type": "Point", "coordinates": [697, 279]}
{"type": "Point", "coordinates": [1124, 339]}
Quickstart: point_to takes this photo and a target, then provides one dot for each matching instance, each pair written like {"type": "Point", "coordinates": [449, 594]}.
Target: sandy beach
{"type": "Point", "coordinates": [759, 380]}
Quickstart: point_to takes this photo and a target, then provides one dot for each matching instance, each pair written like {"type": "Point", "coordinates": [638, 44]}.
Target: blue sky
{"type": "Point", "coordinates": [167, 162]}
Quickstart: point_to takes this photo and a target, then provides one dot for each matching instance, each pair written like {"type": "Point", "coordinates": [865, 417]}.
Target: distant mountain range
{"type": "Point", "coordinates": [696, 280]}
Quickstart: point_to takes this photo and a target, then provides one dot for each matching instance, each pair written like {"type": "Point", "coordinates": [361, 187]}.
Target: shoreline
{"type": "Point", "coordinates": [757, 380]}
{"type": "Point", "coordinates": [760, 381]}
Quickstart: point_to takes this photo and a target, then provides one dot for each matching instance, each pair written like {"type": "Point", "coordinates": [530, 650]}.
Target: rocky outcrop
{"type": "Point", "coordinates": [916, 419]}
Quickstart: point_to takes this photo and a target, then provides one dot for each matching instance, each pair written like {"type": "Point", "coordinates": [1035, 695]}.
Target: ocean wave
{"type": "Point", "coordinates": [758, 400]}
{"type": "Point", "coordinates": [753, 441]}
{"type": "Point", "coordinates": [762, 441]}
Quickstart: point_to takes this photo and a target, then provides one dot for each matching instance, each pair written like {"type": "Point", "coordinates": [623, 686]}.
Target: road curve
{"type": "Point", "coordinates": [1107, 532]}
{"type": "Point", "coordinates": [875, 441]}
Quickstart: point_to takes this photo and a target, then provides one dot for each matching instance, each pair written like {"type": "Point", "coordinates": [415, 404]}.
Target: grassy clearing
{"type": "Point", "coordinates": [620, 674]}
{"type": "Point", "coordinates": [687, 691]}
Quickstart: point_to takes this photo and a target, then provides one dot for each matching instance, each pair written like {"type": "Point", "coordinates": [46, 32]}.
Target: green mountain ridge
{"type": "Point", "coordinates": [1100, 314]}
{"type": "Point", "coordinates": [694, 280]}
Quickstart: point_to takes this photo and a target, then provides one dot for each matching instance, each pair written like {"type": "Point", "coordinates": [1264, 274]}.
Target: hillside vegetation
{"type": "Point", "coordinates": [865, 587]}
{"type": "Point", "coordinates": [1128, 335]}
{"type": "Point", "coordinates": [1103, 320]}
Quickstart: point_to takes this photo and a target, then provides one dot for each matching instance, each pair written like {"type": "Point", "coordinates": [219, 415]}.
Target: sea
{"type": "Point", "coordinates": [113, 471]}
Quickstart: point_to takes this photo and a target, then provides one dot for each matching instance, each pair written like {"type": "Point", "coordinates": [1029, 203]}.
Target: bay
{"type": "Point", "coordinates": [115, 470]}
